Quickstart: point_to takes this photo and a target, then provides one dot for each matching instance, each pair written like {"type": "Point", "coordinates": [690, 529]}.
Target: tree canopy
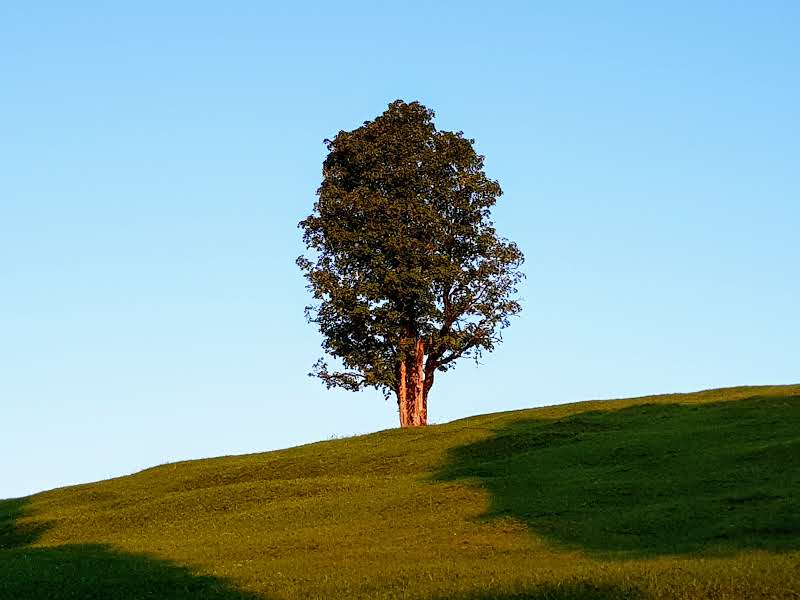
{"type": "Point", "coordinates": [407, 272]}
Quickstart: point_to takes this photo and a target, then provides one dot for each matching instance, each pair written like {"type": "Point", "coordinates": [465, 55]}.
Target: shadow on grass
{"type": "Point", "coordinates": [649, 480]}
{"type": "Point", "coordinates": [567, 591]}
{"type": "Point", "coordinates": [89, 572]}
{"type": "Point", "coordinates": [12, 533]}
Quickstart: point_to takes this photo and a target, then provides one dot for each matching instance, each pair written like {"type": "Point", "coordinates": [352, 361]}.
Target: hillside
{"type": "Point", "coordinates": [678, 496]}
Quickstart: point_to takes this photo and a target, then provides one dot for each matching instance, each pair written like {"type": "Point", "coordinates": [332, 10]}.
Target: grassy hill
{"type": "Point", "coordinates": [681, 496]}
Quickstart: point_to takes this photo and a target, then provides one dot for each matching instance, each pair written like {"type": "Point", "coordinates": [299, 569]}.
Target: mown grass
{"type": "Point", "coordinates": [681, 496]}
{"type": "Point", "coordinates": [649, 479]}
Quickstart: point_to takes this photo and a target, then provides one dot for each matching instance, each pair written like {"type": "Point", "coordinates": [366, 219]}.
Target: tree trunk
{"type": "Point", "coordinates": [412, 391]}
{"type": "Point", "coordinates": [420, 411]}
{"type": "Point", "coordinates": [402, 394]}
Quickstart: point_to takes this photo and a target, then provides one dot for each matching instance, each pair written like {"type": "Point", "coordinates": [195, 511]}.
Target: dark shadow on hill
{"type": "Point", "coordinates": [92, 572]}
{"type": "Point", "coordinates": [12, 533]}
{"type": "Point", "coordinates": [649, 480]}
{"type": "Point", "coordinates": [583, 590]}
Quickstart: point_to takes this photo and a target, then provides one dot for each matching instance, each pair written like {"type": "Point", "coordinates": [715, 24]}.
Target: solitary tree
{"type": "Point", "coordinates": [407, 272]}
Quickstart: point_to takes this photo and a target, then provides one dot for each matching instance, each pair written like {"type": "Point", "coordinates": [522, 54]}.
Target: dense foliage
{"type": "Point", "coordinates": [407, 270]}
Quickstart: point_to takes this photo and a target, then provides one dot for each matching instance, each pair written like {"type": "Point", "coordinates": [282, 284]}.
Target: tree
{"type": "Point", "coordinates": [406, 269]}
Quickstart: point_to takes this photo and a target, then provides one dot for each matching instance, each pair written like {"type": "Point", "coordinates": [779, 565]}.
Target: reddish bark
{"type": "Point", "coordinates": [413, 387]}
{"type": "Point", "coordinates": [402, 394]}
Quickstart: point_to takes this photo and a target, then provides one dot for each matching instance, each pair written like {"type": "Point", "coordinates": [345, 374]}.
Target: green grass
{"type": "Point", "coordinates": [681, 496]}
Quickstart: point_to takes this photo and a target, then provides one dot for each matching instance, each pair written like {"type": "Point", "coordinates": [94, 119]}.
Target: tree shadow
{"type": "Point", "coordinates": [12, 533]}
{"type": "Point", "coordinates": [92, 571]}
{"type": "Point", "coordinates": [582, 590]}
{"type": "Point", "coordinates": [648, 480]}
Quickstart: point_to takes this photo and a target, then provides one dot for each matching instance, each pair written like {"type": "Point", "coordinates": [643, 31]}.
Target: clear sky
{"type": "Point", "coordinates": [155, 158]}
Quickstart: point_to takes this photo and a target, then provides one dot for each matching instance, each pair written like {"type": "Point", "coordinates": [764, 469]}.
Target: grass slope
{"type": "Point", "coordinates": [679, 496]}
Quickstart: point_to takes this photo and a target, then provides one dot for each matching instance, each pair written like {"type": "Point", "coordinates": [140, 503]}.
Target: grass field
{"type": "Point", "coordinates": [683, 496]}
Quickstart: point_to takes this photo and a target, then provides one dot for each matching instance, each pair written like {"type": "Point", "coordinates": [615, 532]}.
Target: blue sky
{"type": "Point", "coordinates": [155, 161]}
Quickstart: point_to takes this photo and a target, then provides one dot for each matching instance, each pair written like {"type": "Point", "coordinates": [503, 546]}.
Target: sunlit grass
{"type": "Point", "coordinates": [684, 496]}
